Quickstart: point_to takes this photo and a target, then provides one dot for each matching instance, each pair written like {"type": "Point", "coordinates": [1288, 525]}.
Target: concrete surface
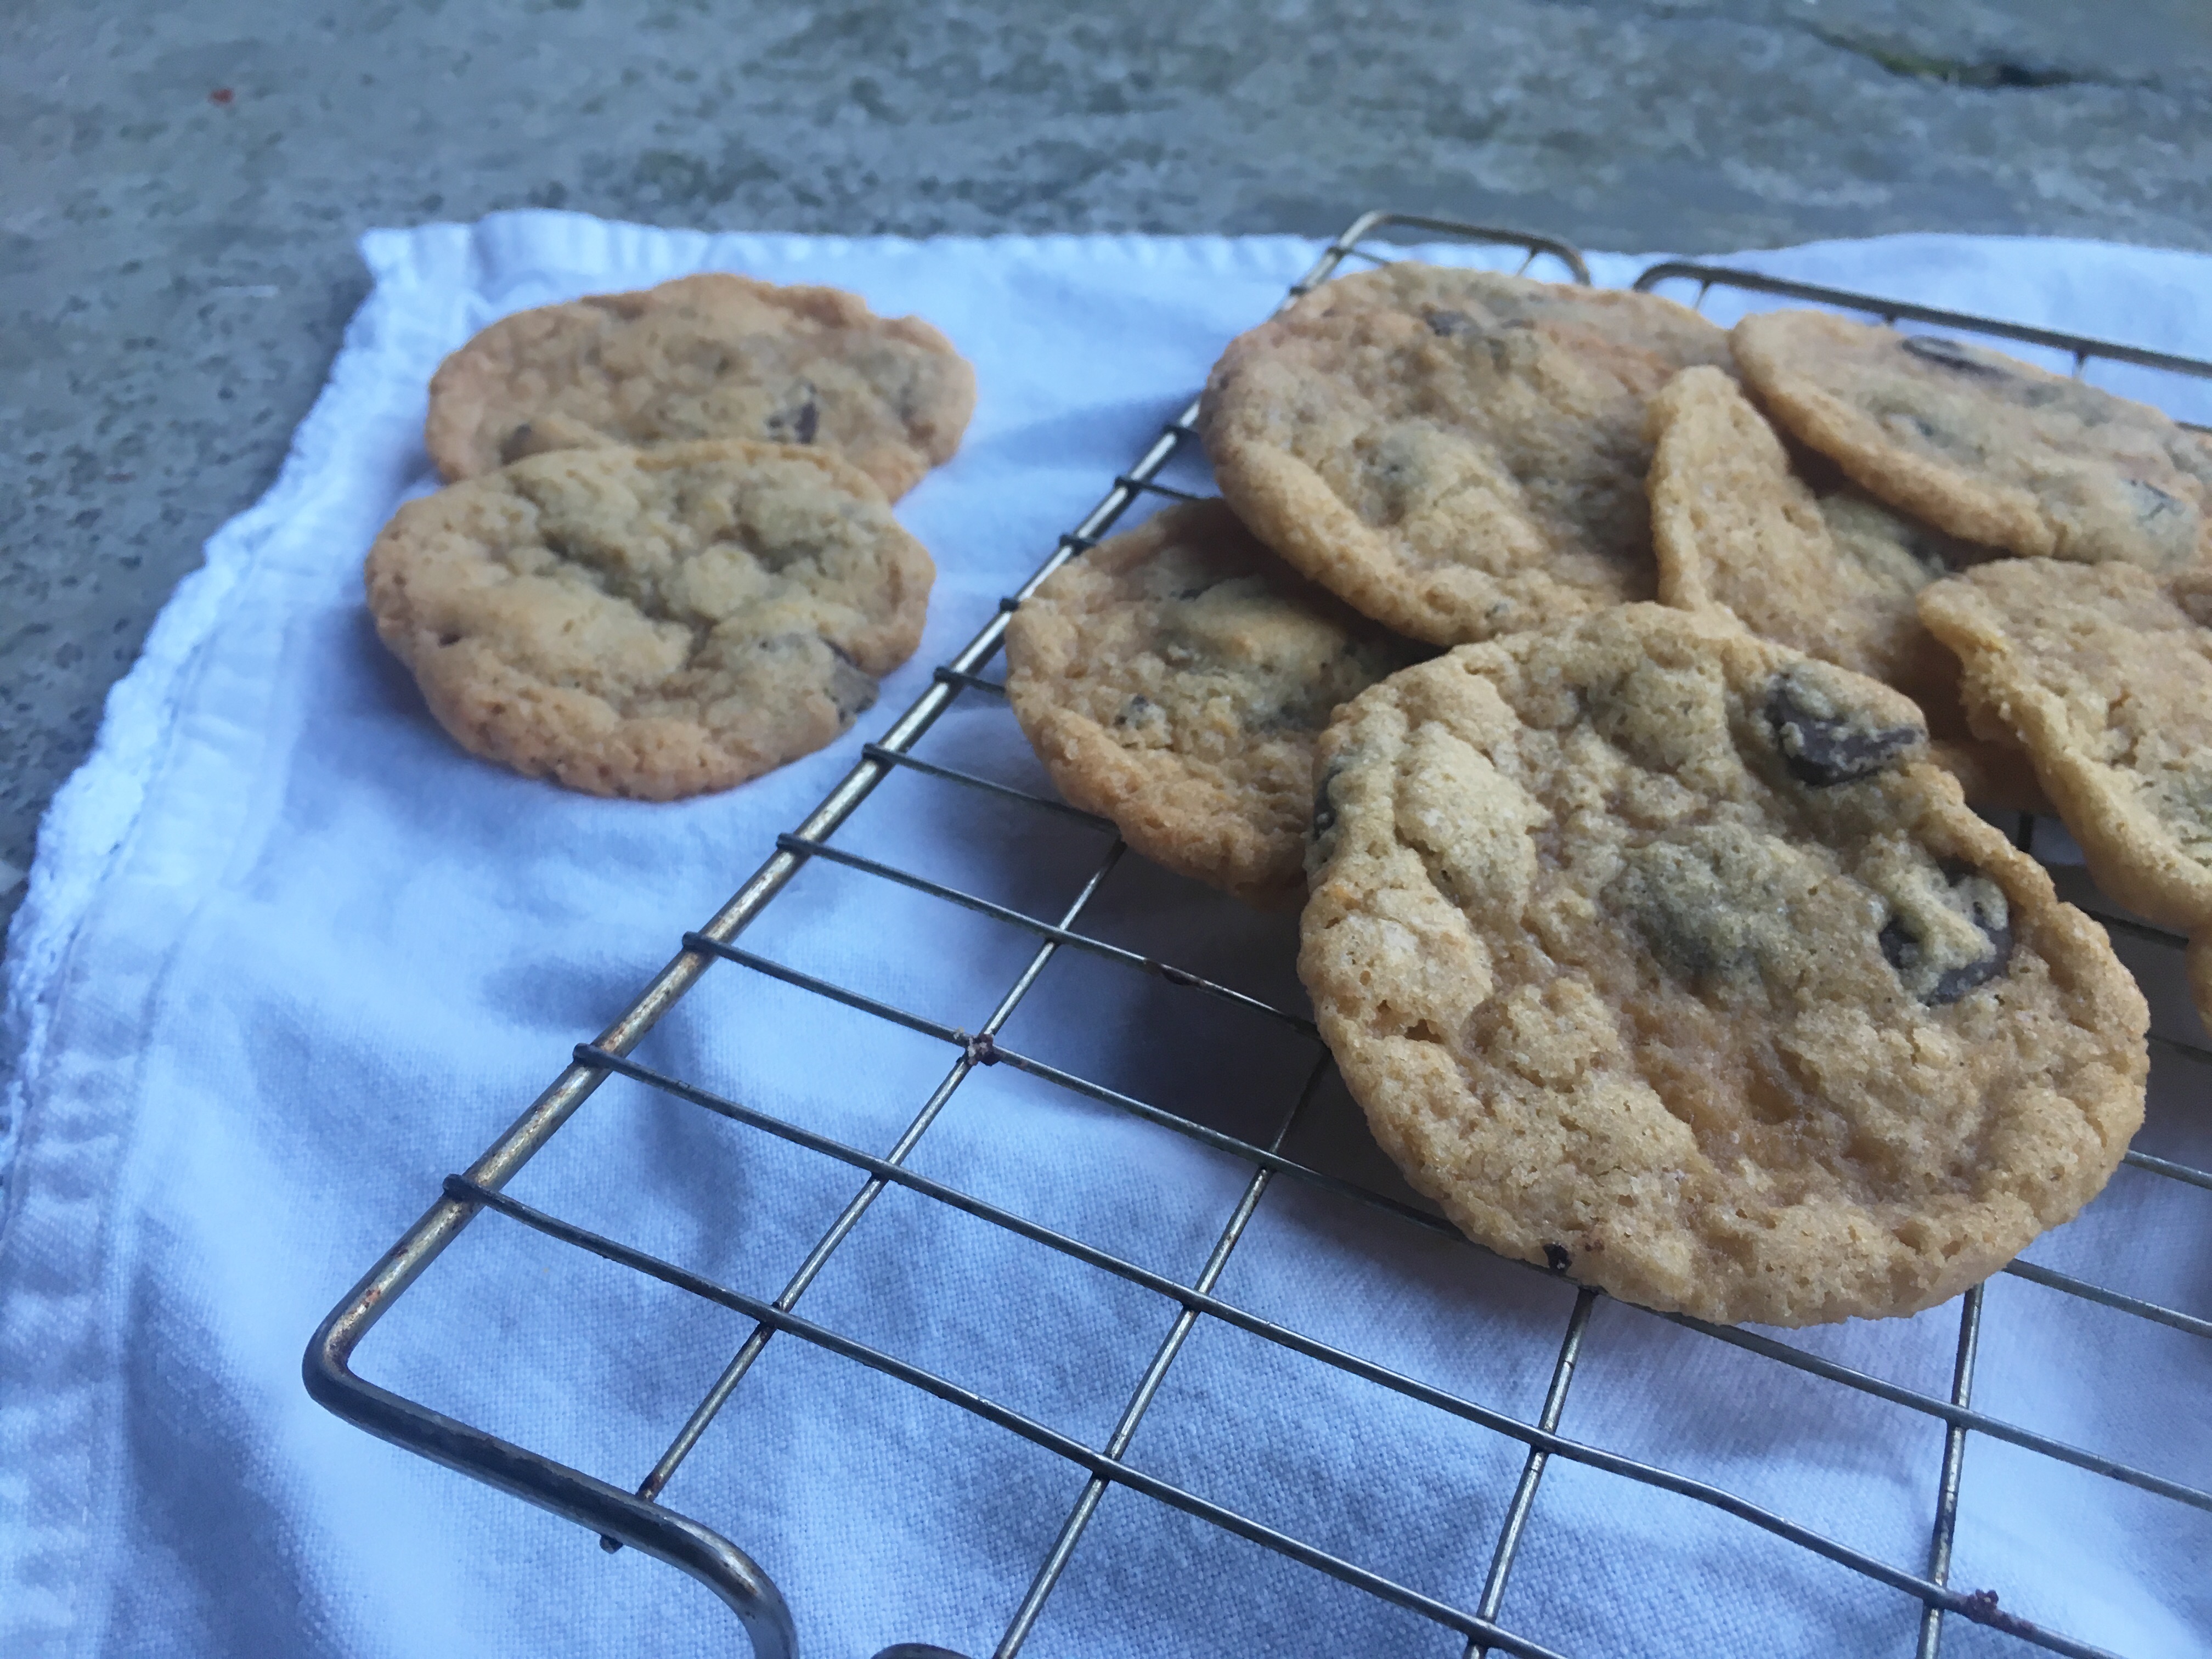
{"type": "Point", "coordinates": [180, 185]}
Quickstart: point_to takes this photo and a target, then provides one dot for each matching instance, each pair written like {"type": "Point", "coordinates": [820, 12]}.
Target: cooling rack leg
{"type": "Point", "coordinates": [608, 1511]}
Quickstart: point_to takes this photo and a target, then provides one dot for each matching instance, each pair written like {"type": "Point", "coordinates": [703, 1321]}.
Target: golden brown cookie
{"type": "Point", "coordinates": [2104, 674]}
{"type": "Point", "coordinates": [2199, 959]}
{"type": "Point", "coordinates": [1733, 527]}
{"type": "Point", "coordinates": [708, 357]}
{"type": "Point", "coordinates": [1454, 481]}
{"type": "Point", "coordinates": [1829, 572]}
{"type": "Point", "coordinates": [1645, 336]}
{"type": "Point", "coordinates": [1981, 446]}
{"type": "Point", "coordinates": [655, 623]}
{"type": "Point", "coordinates": [1654, 950]}
{"type": "Point", "coordinates": [1173, 679]}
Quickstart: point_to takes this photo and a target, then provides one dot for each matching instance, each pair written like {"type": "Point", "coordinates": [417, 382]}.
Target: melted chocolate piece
{"type": "Point", "coordinates": [1136, 709]}
{"type": "Point", "coordinates": [796, 423]}
{"type": "Point", "coordinates": [1448, 323]}
{"type": "Point", "coordinates": [1821, 750]}
{"type": "Point", "coordinates": [1556, 1257]}
{"type": "Point", "coordinates": [1949, 353]}
{"type": "Point", "coordinates": [1902, 949]}
{"type": "Point", "coordinates": [1324, 809]}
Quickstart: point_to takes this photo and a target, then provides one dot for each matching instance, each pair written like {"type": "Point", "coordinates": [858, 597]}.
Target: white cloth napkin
{"type": "Point", "coordinates": [289, 956]}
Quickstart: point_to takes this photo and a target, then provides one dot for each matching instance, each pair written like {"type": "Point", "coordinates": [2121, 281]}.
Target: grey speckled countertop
{"type": "Point", "coordinates": [182, 185]}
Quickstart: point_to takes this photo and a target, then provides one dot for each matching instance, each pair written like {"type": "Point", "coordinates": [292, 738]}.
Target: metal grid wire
{"type": "Point", "coordinates": [636, 1519]}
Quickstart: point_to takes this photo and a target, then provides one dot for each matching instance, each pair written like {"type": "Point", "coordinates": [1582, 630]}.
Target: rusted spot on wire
{"type": "Point", "coordinates": [1981, 1607]}
{"type": "Point", "coordinates": [980, 1050]}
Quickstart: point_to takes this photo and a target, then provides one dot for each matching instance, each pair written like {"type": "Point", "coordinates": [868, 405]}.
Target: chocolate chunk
{"type": "Point", "coordinates": [1556, 1257]}
{"type": "Point", "coordinates": [1135, 709]}
{"type": "Point", "coordinates": [797, 420]}
{"type": "Point", "coordinates": [1324, 809]}
{"type": "Point", "coordinates": [1448, 323]}
{"type": "Point", "coordinates": [1949, 353]}
{"type": "Point", "coordinates": [1906, 951]}
{"type": "Point", "coordinates": [1822, 751]}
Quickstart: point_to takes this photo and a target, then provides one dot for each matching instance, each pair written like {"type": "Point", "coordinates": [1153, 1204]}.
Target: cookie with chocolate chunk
{"type": "Point", "coordinates": [713, 355]}
{"type": "Point", "coordinates": [1173, 679]}
{"type": "Point", "coordinates": [1657, 951]}
{"type": "Point", "coordinates": [655, 623]}
{"type": "Point", "coordinates": [1981, 446]}
{"type": "Point", "coordinates": [1455, 478]}
{"type": "Point", "coordinates": [2104, 674]}
{"type": "Point", "coordinates": [1830, 572]}
{"type": "Point", "coordinates": [1645, 336]}
{"type": "Point", "coordinates": [1735, 527]}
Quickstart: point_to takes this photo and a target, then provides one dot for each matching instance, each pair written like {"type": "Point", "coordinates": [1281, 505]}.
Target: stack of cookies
{"type": "Point", "coordinates": [664, 560]}
{"type": "Point", "coordinates": [1611, 689]}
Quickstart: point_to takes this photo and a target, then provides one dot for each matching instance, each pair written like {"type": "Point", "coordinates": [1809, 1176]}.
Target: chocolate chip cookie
{"type": "Point", "coordinates": [1175, 678]}
{"type": "Point", "coordinates": [1455, 479]}
{"type": "Point", "coordinates": [1655, 951]}
{"type": "Point", "coordinates": [2104, 673]}
{"type": "Point", "coordinates": [654, 622]}
{"type": "Point", "coordinates": [1645, 337]}
{"type": "Point", "coordinates": [1986, 447]}
{"type": "Point", "coordinates": [708, 357]}
{"type": "Point", "coordinates": [1733, 527]}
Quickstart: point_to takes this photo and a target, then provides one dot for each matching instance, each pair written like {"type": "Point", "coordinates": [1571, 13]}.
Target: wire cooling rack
{"type": "Point", "coordinates": [637, 1519]}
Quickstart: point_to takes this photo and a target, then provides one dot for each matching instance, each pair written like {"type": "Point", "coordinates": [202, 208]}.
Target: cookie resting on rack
{"type": "Point", "coordinates": [1644, 337]}
{"type": "Point", "coordinates": [1832, 573]}
{"type": "Point", "coordinates": [709, 356]}
{"type": "Point", "coordinates": [1453, 478]}
{"type": "Point", "coordinates": [1986, 447]}
{"type": "Point", "coordinates": [2104, 673]}
{"type": "Point", "coordinates": [1655, 951]}
{"type": "Point", "coordinates": [1173, 679]}
{"type": "Point", "coordinates": [652, 623]}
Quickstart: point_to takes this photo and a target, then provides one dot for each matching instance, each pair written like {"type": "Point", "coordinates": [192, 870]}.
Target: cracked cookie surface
{"type": "Point", "coordinates": [1453, 476]}
{"type": "Point", "coordinates": [1986, 447]}
{"type": "Point", "coordinates": [1175, 679]}
{"type": "Point", "coordinates": [2104, 674]}
{"type": "Point", "coordinates": [653, 623]}
{"type": "Point", "coordinates": [709, 356]}
{"type": "Point", "coordinates": [1658, 952]}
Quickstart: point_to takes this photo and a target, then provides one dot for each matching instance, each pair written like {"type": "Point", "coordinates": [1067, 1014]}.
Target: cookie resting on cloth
{"type": "Point", "coordinates": [1175, 678]}
{"type": "Point", "coordinates": [653, 623]}
{"type": "Point", "coordinates": [2104, 673]}
{"type": "Point", "coordinates": [1986, 447]}
{"type": "Point", "coordinates": [1451, 478]}
{"type": "Point", "coordinates": [1619, 323]}
{"type": "Point", "coordinates": [1655, 951]}
{"type": "Point", "coordinates": [712, 356]}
